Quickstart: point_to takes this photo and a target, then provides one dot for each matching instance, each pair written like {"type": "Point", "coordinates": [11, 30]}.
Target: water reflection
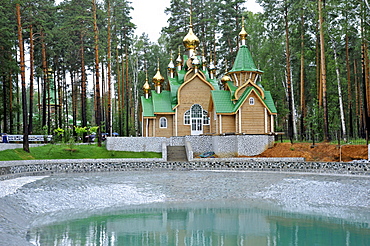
{"type": "Point", "coordinates": [202, 225]}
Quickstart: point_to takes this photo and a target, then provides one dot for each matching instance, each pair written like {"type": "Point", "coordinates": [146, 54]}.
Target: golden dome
{"type": "Point", "coordinates": [191, 41]}
{"type": "Point", "coordinates": [146, 86]}
{"type": "Point", "coordinates": [225, 79]}
{"type": "Point", "coordinates": [158, 79]}
{"type": "Point", "coordinates": [243, 34]}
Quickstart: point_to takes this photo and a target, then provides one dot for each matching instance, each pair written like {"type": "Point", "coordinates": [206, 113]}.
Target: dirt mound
{"type": "Point", "coordinates": [319, 152]}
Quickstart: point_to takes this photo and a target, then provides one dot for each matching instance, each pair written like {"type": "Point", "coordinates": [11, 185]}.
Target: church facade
{"type": "Point", "coordinates": [197, 104]}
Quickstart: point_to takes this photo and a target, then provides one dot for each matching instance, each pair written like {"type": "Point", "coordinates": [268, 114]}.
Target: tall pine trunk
{"type": "Point", "coordinates": [83, 84]}
{"type": "Point", "coordinates": [30, 121]}
{"type": "Point", "coordinates": [323, 74]}
{"type": "Point", "coordinates": [288, 77]}
{"type": "Point", "coordinates": [302, 91]}
{"type": "Point", "coordinates": [26, 146]}
{"type": "Point", "coordinates": [5, 103]}
{"type": "Point", "coordinates": [45, 80]}
{"type": "Point", "coordinates": [97, 75]}
{"type": "Point", "coordinates": [109, 72]}
{"type": "Point", "coordinates": [128, 93]}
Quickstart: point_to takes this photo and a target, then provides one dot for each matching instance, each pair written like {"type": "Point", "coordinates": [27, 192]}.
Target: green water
{"type": "Point", "coordinates": [202, 225]}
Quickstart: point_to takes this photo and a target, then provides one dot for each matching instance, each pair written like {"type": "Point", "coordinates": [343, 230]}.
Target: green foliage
{"type": "Point", "coordinates": [66, 30]}
{"type": "Point", "coordinates": [93, 129]}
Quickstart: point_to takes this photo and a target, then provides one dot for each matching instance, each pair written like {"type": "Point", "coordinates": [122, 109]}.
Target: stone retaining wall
{"type": "Point", "coordinates": [136, 144]}
{"type": "Point", "coordinates": [242, 145]}
{"type": "Point", "coordinates": [12, 169]}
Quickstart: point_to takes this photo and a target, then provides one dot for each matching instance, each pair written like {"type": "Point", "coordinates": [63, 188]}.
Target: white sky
{"type": "Point", "coordinates": [149, 16]}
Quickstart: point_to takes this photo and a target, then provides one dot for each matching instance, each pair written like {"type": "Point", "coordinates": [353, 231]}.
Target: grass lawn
{"type": "Point", "coordinates": [65, 151]}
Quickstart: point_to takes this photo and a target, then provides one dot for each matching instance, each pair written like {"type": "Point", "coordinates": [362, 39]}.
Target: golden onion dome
{"type": "Point", "coordinates": [146, 86]}
{"type": "Point", "coordinates": [225, 79]}
{"type": "Point", "coordinates": [191, 41]}
{"type": "Point", "coordinates": [243, 34]}
{"type": "Point", "coordinates": [158, 78]}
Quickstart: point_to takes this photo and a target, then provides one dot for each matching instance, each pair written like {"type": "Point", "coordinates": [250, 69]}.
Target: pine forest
{"type": "Point", "coordinates": [66, 66]}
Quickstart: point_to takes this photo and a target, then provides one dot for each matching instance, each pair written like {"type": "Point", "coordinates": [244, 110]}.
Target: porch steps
{"type": "Point", "coordinates": [176, 153]}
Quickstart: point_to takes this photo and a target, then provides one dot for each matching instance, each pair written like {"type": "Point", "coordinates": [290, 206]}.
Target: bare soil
{"type": "Point", "coordinates": [319, 152]}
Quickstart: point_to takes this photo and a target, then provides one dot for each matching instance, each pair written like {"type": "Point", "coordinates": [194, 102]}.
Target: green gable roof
{"type": "Point", "coordinates": [157, 103]}
{"type": "Point", "coordinates": [244, 61]}
{"type": "Point", "coordinates": [147, 106]}
{"type": "Point", "coordinates": [270, 102]}
{"type": "Point", "coordinates": [162, 102]}
{"type": "Point", "coordinates": [222, 101]}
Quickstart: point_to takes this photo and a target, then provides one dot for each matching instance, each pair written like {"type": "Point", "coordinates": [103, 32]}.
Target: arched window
{"type": "Point", "coordinates": [163, 122]}
{"type": "Point", "coordinates": [251, 101]}
{"type": "Point", "coordinates": [196, 111]}
{"type": "Point", "coordinates": [187, 118]}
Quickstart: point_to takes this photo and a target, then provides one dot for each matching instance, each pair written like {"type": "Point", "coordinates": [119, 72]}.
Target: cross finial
{"type": "Point", "coordinates": [191, 13]}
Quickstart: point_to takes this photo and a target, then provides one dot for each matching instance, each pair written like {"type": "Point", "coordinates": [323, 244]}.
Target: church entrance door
{"type": "Point", "coordinates": [196, 113]}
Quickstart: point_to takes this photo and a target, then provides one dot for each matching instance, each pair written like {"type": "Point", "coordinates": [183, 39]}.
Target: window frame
{"type": "Point", "coordinates": [187, 117]}
{"type": "Point", "coordinates": [161, 121]}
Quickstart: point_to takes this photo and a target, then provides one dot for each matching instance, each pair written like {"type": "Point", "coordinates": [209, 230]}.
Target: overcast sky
{"type": "Point", "coordinates": [149, 16]}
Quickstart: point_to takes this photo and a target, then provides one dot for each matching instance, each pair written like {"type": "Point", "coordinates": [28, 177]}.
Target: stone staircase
{"type": "Point", "coordinates": [176, 153]}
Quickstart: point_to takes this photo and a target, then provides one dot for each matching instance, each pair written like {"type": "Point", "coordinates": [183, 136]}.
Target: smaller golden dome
{"type": "Point", "coordinates": [225, 79]}
{"type": "Point", "coordinates": [243, 34]}
{"type": "Point", "coordinates": [146, 86]}
{"type": "Point", "coordinates": [191, 41]}
{"type": "Point", "coordinates": [158, 79]}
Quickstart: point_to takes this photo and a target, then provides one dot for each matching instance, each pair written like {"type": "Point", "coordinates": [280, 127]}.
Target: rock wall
{"type": "Point", "coordinates": [242, 145]}
{"type": "Point", "coordinates": [12, 169]}
{"type": "Point", "coordinates": [136, 144]}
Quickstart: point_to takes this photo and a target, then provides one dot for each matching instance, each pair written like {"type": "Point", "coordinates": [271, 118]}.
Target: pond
{"type": "Point", "coordinates": [197, 208]}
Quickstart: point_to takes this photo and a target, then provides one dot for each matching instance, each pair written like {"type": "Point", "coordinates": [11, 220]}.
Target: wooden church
{"type": "Point", "coordinates": [197, 104]}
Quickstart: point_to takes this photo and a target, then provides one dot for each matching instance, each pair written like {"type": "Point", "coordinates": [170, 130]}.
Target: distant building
{"type": "Point", "coordinates": [195, 103]}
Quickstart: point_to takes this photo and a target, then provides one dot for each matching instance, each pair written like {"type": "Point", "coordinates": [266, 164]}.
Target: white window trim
{"type": "Point", "coordinates": [251, 101]}
{"type": "Point", "coordinates": [187, 114]}
{"type": "Point", "coordinates": [160, 122]}
{"type": "Point", "coordinates": [206, 117]}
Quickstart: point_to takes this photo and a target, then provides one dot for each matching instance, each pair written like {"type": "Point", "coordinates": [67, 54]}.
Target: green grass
{"type": "Point", "coordinates": [65, 151]}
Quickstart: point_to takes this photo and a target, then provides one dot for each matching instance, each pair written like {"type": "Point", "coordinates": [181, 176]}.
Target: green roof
{"type": "Point", "coordinates": [162, 102]}
{"type": "Point", "coordinates": [232, 88]}
{"type": "Point", "coordinates": [222, 101]}
{"type": "Point", "coordinates": [147, 106]}
{"type": "Point", "coordinates": [244, 61]}
{"type": "Point", "coordinates": [270, 102]}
